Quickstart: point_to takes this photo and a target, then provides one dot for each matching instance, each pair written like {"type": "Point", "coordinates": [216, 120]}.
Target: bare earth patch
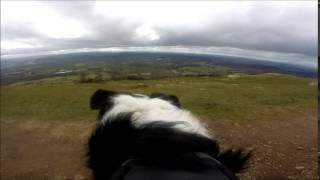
{"type": "Point", "coordinates": [34, 150]}
{"type": "Point", "coordinates": [285, 147]}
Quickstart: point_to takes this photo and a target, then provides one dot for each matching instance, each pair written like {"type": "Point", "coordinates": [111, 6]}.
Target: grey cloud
{"type": "Point", "coordinates": [263, 27]}
{"type": "Point", "coordinates": [293, 31]}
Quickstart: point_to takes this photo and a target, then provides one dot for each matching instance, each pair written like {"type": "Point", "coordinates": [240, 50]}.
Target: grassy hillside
{"type": "Point", "coordinates": [233, 97]}
{"type": "Point", "coordinates": [273, 114]}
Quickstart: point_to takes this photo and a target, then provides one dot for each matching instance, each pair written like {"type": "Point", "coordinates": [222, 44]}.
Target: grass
{"type": "Point", "coordinates": [204, 68]}
{"type": "Point", "coordinates": [227, 98]}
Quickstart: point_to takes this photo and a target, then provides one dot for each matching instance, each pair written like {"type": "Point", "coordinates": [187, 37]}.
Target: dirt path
{"type": "Point", "coordinates": [43, 151]}
{"type": "Point", "coordinates": [284, 147]}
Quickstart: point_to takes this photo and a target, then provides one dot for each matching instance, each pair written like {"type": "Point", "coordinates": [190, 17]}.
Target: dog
{"type": "Point", "coordinates": [154, 131]}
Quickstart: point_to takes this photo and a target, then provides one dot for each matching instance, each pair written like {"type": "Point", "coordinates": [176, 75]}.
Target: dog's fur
{"type": "Point", "coordinates": [151, 127]}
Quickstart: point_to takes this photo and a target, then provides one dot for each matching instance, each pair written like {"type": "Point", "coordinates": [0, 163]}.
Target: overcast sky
{"type": "Point", "coordinates": [278, 31]}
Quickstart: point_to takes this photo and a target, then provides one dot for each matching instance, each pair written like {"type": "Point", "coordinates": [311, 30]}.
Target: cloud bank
{"type": "Point", "coordinates": [277, 31]}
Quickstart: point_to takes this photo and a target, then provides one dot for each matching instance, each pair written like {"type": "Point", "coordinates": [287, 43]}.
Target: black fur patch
{"type": "Point", "coordinates": [101, 100]}
{"type": "Point", "coordinates": [171, 98]}
{"type": "Point", "coordinates": [117, 140]}
{"type": "Point", "coordinates": [109, 146]}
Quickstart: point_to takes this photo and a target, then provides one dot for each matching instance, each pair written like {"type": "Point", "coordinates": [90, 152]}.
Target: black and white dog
{"type": "Point", "coordinates": [155, 132]}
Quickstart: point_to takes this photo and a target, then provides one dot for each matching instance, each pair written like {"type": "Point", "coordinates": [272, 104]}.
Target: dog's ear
{"type": "Point", "coordinates": [101, 98]}
{"type": "Point", "coordinates": [171, 98]}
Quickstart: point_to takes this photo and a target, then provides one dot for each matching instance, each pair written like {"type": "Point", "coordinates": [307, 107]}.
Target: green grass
{"type": "Point", "coordinates": [226, 98]}
{"type": "Point", "coordinates": [204, 68]}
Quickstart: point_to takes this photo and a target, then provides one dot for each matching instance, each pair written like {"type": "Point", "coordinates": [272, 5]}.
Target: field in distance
{"type": "Point", "coordinates": [105, 66]}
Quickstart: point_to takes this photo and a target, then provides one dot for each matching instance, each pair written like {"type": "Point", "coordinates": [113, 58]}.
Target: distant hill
{"type": "Point", "coordinates": [136, 64]}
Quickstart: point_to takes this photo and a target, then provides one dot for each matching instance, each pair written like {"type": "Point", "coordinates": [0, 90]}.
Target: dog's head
{"type": "Point", "coordinates": [104, 100]}
{"type": "Point", "coordinates": [151, 126]}
{"type": "Point", "coordinates": [145, 109]}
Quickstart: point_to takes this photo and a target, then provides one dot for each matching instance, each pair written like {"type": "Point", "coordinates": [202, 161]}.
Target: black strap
{"type": "Point", "coordinates": [138, 169]}
{"type": "Point", "coordinates": [220, 166]}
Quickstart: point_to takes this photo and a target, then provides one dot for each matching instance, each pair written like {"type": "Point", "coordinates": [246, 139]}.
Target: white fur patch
{"type": "Point", "coordinates": [146, 110]}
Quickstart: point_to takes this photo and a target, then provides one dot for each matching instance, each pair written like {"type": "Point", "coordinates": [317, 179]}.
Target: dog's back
{"type": "Point", "coordinates": [124, 133]}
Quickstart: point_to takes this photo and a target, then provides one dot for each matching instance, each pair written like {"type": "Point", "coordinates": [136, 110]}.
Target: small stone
{"type": "Point", "coordinates": [266, 145]}
{"type": "Point", "coordinates": [299, 168]}
{"type": "Point", "coordinates": [300, 148]}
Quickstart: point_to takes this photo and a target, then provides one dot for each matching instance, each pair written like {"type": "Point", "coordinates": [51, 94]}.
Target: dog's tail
{"type": "Point", "coordinates": [235, 159]}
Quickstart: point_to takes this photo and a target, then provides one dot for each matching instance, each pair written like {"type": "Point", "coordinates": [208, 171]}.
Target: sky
{"type": "Point", "coordinates": [284, 31]}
